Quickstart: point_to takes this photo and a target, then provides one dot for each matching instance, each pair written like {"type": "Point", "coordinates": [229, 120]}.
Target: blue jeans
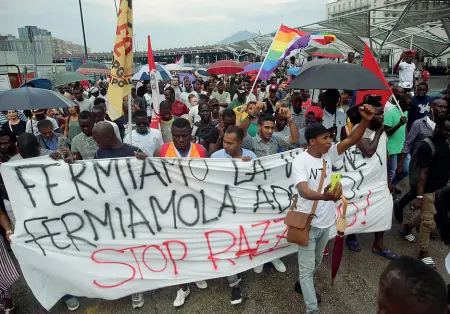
{"type": "Point", "coordinates": [393, 162]}
{"type": "Point", "coordinates": [309, 259]}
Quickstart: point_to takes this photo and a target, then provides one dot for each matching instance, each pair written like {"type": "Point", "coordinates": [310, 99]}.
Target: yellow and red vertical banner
{"type": "Point", "coordinates": [122, 66]}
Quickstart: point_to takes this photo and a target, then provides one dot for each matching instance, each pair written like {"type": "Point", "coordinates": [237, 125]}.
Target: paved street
{"type": "Point", "coordinates": [354, 291]}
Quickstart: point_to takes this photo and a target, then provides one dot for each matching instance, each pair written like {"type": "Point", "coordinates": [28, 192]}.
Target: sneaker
{"type": "Point", "coordinates": [326, 252]}
{"type": "Point", "coordinates": [181, 297]}
{"type": "Point", "coordinates": [279, 265]}
{"type": "Point", "coordinates": [72, 304]}
{"type": "Point", "coordinates": [236, 296]}
{"type": "Point", "coordinates": [201, 284]}
{"type": "Point", "coordinates": [258, 269]}
{"type": "Point", "coordinates": [298, 289]}
{"type": "Point", "coordinates": [137, 300]}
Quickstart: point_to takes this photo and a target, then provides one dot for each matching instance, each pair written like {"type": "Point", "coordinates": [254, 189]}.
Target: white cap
{"type": "Point", "coordinates": [93, 90]}
{"type": "Point", "coordinates": [406, 85]}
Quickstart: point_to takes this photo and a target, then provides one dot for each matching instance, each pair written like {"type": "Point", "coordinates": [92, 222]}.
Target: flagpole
{"type": "Point", "coordinates": [267, 53]}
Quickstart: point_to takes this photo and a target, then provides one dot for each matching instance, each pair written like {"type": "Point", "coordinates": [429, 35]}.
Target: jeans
{"type": "Point", "coordinates": [393, 161]}
{"type": "Point", "coordinates": [402, 215]}
{"type": "Point", "coordinates": [309, 259]}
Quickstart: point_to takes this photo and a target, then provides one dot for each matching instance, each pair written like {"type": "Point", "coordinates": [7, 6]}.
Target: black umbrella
{"type": "Point", "coordinates": [30, 98]}
{"type": "Point", "coordinates": [337, 76]}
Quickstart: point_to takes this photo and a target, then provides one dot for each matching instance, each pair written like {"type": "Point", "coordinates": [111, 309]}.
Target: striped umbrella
{"type": "Point", "coordinates": [93, 68]}
{"type": "Point", "coordinates": [143, 74]}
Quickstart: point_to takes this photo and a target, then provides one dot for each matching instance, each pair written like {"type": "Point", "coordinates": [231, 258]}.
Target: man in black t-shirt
{"type": "Point", "coordinates": [272, 100]}
{"type": "Point", "coordinates": [434, 170]}
{"type": "Point", "coordinates": [109, 146]}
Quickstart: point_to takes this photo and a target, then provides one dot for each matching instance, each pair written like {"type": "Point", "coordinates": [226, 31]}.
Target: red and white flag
{"type": "Point", "coordinates": [156, 97]}
{"type": "Point", "coordinates": [371, 63]}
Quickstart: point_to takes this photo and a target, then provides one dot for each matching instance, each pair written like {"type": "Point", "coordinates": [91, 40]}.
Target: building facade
{"type": "Point", "coordinates": [343, 7]}
{"type": "Point", "coordinates": [42, 44]}
{"type": "Point", "coordinates": [23, 31]}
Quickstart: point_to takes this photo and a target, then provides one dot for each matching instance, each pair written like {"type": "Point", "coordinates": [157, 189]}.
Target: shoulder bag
{"type": "Point", "coordinates": [298, 223]}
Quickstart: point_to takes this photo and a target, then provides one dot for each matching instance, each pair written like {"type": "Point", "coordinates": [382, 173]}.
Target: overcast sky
{"type": "Point", "coordinates": [170, 23]}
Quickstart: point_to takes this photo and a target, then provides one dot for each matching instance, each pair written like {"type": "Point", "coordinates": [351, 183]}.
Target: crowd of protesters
{"type": "Point", "coordinates": [226, 118]}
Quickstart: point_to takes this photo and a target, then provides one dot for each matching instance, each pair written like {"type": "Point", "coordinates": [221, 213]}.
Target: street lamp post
{"type": "Point", "coordinates": [84, 34]}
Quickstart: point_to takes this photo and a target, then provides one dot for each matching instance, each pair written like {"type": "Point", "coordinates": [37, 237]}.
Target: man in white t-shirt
{"type": "Point", "coordinates": [188, 90]}
{"type": "Point", "coordinates": [307, 168]}
{"type": "Point", "coordinates": [333, 119]}
{"type": "Point", "coordinates": [143, 137]}
{"type": "Point", "coordinates": [406, 68]}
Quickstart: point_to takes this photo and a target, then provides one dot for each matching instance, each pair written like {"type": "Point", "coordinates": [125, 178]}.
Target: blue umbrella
{"type": "Point", "coordinates": [252, 67]}
{"type": "Point", "coordinates": [143, 74]}
{"type": "Point", "coordinates": [39, 83]}
{"type": "Point", "coordinates": [30, 98]}
{"type": "Point", "coordinates": [294, 71]}
{"type": "Point", "coordinates": [190, 76]}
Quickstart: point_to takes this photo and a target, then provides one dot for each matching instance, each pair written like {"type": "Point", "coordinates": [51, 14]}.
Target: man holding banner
{"type": "Point", "coordinates": [307, 168]}
{"type": "Point", "coordinates": [182, 147]}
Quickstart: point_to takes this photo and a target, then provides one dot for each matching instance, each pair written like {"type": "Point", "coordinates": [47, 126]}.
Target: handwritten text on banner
{"type": "Point", "coordinates": [110, 228]}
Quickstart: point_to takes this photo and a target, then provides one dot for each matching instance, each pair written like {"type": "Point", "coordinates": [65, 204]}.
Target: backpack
{"type": "Point", "coordinates": [414, 169]}
{"type": "Point", "coordinates": [203, 133]}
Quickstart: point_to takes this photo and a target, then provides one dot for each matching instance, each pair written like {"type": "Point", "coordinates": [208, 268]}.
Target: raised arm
{"type": "Point", "coordinates": [295, 135]}
{"type": "Point", "coordinates": [398, 62]}
{"type": "Point", "coordinates": [367, 112]}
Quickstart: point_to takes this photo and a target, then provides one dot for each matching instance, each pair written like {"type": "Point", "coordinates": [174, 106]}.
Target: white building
{"type": "Point", "coordinates": [339, 8]}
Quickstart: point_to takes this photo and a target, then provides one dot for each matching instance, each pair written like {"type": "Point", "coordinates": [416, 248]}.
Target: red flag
{"type": "Point", "coordinates": [371, 63]}
{"type": "Point", "coordinates": [155, 89]}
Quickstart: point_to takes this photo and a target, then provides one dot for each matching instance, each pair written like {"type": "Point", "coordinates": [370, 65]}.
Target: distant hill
{"type": "Point", "coordinates": [239, 36]}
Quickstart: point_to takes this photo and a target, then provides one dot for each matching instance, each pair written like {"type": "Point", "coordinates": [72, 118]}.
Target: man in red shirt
{"type": "Point", "coordinates": [178, 108]}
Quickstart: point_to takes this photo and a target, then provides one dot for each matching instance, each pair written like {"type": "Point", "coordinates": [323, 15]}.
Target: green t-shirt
{"type": "Point", "coordinates": [253, 129]}
{"type": "Point", "coordinates": [235, 103]}
{"type": "Point", "coordinates": [396, 140]}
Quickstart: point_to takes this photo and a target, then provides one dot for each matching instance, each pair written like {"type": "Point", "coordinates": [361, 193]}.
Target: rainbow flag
{"type": "Point", "coordinates": [287, 40]}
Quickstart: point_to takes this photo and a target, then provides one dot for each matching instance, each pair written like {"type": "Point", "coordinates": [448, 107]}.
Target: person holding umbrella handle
{"type": "Point", "coordinates": [312, 181]}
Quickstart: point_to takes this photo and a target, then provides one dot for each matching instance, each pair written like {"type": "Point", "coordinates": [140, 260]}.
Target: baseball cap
{"type": "Point", "coordinates": [406, 85]}
{"type": "Point", "coordinates": [273, 87]}
{"type": "Point", "coordinates": [263, 83]}
{"type": "Point", "coordinates": [38, 111]}
{"type": "Point", "coordinates": [313, 130]}
{"type": "Point", "coordinates": [317, 111]}
{"type": "Point", "coordinates": [93, 90]}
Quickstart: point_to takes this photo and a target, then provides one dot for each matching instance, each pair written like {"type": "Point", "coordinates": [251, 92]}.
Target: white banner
{"type": "Point", "coordinates": [110, 228]}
